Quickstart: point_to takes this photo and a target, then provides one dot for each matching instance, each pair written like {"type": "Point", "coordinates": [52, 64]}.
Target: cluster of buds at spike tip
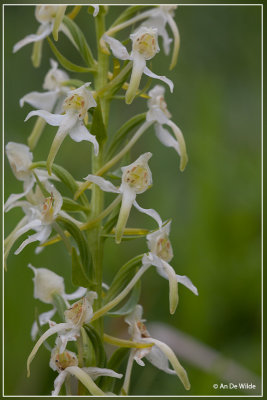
{"type": "Point", "coordinates": [136, 179]}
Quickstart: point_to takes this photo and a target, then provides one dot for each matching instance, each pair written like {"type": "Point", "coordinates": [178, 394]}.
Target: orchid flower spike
{"type": "Point", "coordinates": [159, 18]}
{"type": "Point", "coordinates": [158, 355]}
{"type": "Point", "coordinates": [47, 284]}
{"type": "Point", "coordinates": [136, 179]}
{"type": "Point", "coordinates": [66, 363]}
{"type": "Point", "coordinates": [158, 112]}
{"type": "Point", "coordinates": [75, 107]}
{"type": "Point", "coordinates": [144, 47]}
{"type": "Point", "coordinates": [76, 316]}
{"type": "Point", "coordinates": [160, 255]}
{"type": "Point", "coordinates": [55, 92]}
{"type": "Point", "coordinates": [50, 18]}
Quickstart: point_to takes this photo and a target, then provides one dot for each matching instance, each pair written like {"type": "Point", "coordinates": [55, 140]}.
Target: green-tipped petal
{"type": "Point", "coordinates": [139, 64]}
{"type": "Point", "coordinates": [86, 380]}
{"type": "Point", "coordinates": [59, 17]}
{"type": "Point", "coordinates": [128, 198]}
{"type": "Point", "coordinates": [180, 139]}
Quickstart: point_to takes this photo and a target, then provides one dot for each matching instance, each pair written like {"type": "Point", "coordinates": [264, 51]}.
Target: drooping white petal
{"type": "Point", "coordinates": [20, 158]}
{"type": "Point", "coordinates": [13, 198]}
{"type": "Point", "coordinates": [105, 185]}
{"type": "Point", "coordinates": [40, 236]}
{"type": "Point", "coordinates": [43, 33]}
{"type": "Point", "coordinates": [51, 331]}
{"type": "Point", "coordinates": [60, 379]}
{"type": "Point", "coordinates": [166, 138]}
{"type": "Point", "coordinates": [80, 292]}
{"type": "Point", "coordinates": [180, 371]}
{"type": "Point", "coordinates": [51, 119]}
{"type": "Point", "coordinates": [128, 197]}
{"type": "Point", "coordinates": [95, 372]}
{"type": "Point", "coordinates": [159, 360]}
{"type": "Point", "coordinates": [184, 280]}
{"type": "Point", "coordinates": [156, 114]}
{"type": "Point", "coordinates": [79, 132]}
{"type": "Point", "coordinates": [118, 50]}
{"type": "Point", "coordinates": [149, 211]}
{"type": "Point", "coordinates": [44, 318]}
{"type": "Point", "coordinates": [44, 101]}
{"type": "Point", "coordinates": [139, 65]}
{"type": "Point", "coordinates": [162, 78]}
{"type": "Point", "coordinates": [182, 147]}
{"type": "Point", "coordinates": [96, 9]}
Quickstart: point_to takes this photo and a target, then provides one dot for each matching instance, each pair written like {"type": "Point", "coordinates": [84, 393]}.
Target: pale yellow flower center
{"type": "Point", "coordinates": [48, 208]}
{"type": "Point", "coordinates": [137, 177]}
{"type": "Point", "coordinates": [64, 360]}
{"type": "Point", "coordinates": [146, 45]}
{"type": "Point", "coordinates": [164, 249]}
{"type": "Point", "coordinates": [75, 103]}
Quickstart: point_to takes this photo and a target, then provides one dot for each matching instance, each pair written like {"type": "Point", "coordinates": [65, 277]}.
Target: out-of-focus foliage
{"type": "Point", "coordinates": [214, 203]}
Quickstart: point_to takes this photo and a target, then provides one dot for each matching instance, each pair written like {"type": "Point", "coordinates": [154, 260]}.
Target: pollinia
{"type": "Point", "coordinates": [82, 221]}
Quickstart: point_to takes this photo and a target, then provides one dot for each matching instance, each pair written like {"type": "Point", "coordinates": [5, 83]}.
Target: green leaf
{"type": "Point", "coordinates": [79, 238]}
{"type": "Point", "coordinates": [70, 205]}
{"type": "Point", "coordinates": [68, 65]}
{"type": "Point", "coordinates": [79, 276]}
{"type": "Point", "coordinates": [44, 191]}
{"type": "Point", "coordinates": [101, 359]}
{"type": "Point", "coordinates": [127, 14]}
{"type": "Point", "coordinates": [73, 82]}
{"type": "Point", "coordinates": [129, 306]}
{"type": "Point", "coordinates": [111, 222]}
{"type": "Point", "coordinates": [115, 361]}
{"type": "Point", "coordinates": [88, 350]}
{"type": "Point", "coordinates": [98, 127]}
{"type": "Point", "coordinates": [121, 135]}
{"type": "Point", "coordinates": [123, 277]}
{"type": "Point", "coordinates": [60, 304]}
{"type": "Point", "coordinates": [80, 41]}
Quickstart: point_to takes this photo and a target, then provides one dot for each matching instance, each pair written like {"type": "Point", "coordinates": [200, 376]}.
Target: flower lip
{"type": "Point", "coordinates": [145, 42]}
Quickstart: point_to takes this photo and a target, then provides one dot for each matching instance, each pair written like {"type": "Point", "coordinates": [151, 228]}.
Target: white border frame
{"type": "Point", "coordinates": [3, 96]}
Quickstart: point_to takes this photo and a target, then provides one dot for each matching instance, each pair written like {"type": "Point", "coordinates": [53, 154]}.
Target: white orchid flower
{"type": "Point", "coordinates": [20, 159]}
{"type": "Point", "coordinates": [39, 217]}
{"type": "Point", "coordinates": [158, 112]}
{"type": "Point", "coordinates": [136, 179]}
{"type": "Point", "coordinates": [50, 18]}
{"type": "Point", "coordinates": [76, 316]}
{"type": "Point", "coordinates": [75, 107]}
{"type": "Point", "coordinates": [66, 364]}
{"type": "Point", "coordinates": [46, 284]}
{"type": "Point", "coordinates": [160, 255]}
{"type": "Point", "coordinates": [55, 92]}
{"type": "Point", "coordinates": [144, 47]}
{"type": "Point", "coordinates": [158, 355]}
{"type": "Point", "coordinates": [159, 17]}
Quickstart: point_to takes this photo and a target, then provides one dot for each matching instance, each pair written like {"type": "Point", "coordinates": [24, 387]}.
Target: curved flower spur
{"type": "Point", "coordinates": [159, 354]}
{"type": "Point", "coordinates": [75, 107]}
{"type": "Point", "coordinates": [136, 179]}
{"type": "Point", "coordinates": [144, 47]}
{"type": "Point", "coordinates": [158, 113]}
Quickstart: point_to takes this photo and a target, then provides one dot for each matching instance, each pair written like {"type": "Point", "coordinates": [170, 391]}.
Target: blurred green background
{"type": "Point", "coordinates": [214, 204]}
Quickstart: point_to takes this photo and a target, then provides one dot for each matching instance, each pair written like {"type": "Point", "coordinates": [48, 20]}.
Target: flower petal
{"type": "Point", "coordinates": [80, 292]}
{"type": "Point", "coordinates": [139, 65]}
{"type": "Point", "coordinates": [44, 318]}
{"type": "Point", "coordinates": [60, 379]}
{"type": "Point", "coordinates": [40, 236]}
{"type": "Point", "coordinates": [105, 185]}
{"type": "Point", "coordinates": [95, 372]}
{"type": "Point", "coordinates": [28, 185]}
{"type": "Point", "coordinates": [128, 197]}
{"type": "Point", "coordinates": [86, 380]}
{"type": "Point", "coordinates": [180, 139]}
{"type": "Point", "coordinates": [162, 78]}
{"type": "Point", "coordinates": [45, 101]}
{"type": "Point", "coordinates": [184, 280]}
{"type": "Point", "coordinates": [118, 50]}
{"type": "Point", "coordinates": [159, 360]}
{"type": "Point", "coordinates": [46, 30]}
{"type": "Point", "coordinates": [51, 119]}
{"type": "Point", "coordinates": [149, 211]}
{"type": "Point", "coordinates": [79, 132]}
{"type": "Point", "coordinates": [51, 331]}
